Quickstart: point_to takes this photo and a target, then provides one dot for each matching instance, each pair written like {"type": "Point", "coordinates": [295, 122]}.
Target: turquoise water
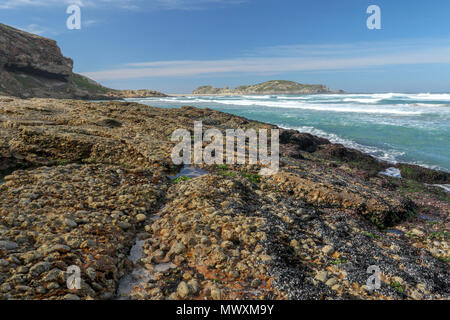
{"type": "Point", "coordinates": [412, 128]}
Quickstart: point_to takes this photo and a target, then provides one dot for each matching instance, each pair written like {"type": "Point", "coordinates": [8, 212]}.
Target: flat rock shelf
{"type": "Point", "coordinates": [93, 185]}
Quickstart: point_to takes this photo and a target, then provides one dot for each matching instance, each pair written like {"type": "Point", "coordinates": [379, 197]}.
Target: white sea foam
{"type": "Point", "coordinates": [431, 96]}
{"type": "Point", "coordinates": [446, 187]}
{"type": "Point", "coordinates": [318, 107]}
{"type": "Point", "coordinates": [392, 172]}
{"type": "Point", "coordinates": [362, 100]}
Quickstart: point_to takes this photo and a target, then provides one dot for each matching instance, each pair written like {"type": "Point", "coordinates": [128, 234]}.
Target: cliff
{"type": "Point", "coordinates": [269, 87]}
{"type": "Point", "coordinates": [33, 66]}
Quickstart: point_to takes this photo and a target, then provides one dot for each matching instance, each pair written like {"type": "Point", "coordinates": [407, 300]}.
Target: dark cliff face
{"type": "Point", "coordinates": [22, 51]}
{"type": "Point", "coordinates": [33, 66]}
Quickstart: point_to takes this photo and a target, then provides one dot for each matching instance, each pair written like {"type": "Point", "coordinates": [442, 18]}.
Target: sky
{"type": "Point", "coordinates": [174, 46]}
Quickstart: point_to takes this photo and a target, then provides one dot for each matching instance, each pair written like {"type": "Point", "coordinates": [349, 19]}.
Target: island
{"type": "Point", "coordinates": [268, 87]}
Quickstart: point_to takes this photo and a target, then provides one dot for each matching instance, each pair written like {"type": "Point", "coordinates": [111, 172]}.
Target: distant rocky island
{"type": "Point", "coordinates": [269, 87]}
{"type": "Point", "coordinates": [33, 66]}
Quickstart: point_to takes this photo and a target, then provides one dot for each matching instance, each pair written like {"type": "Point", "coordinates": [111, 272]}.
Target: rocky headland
{"type": "Point", "coordinates": [142, 93]}
{"type": "Point", "coordinates": [269, 87]}
{"type": "Point", "coordinates": [85, 182]}
{"type": "Point", "coordinates": [33, 66]}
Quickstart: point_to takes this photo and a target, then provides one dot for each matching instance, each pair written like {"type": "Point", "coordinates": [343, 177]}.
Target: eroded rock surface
{"type": "Point", "coordinates": [84, 180]}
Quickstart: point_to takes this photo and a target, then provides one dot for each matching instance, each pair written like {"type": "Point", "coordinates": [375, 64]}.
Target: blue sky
{"type": "Point", "coordinates": [176, 45]}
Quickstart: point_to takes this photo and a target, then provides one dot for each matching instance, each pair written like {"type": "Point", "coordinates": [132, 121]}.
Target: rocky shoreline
{"type": "Point", "coordinates": [84, 181]}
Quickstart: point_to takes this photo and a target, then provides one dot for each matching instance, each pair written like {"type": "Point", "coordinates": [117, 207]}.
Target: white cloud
{"type": "Point", "coordinates": [123, 4]}
{"type": "Point", "coordinates": [283, 59]}
{"type": "Point", "coordinates": [36, 29]}
{"type": "Point", "coordinates": [192, 4]}
{"type": "Point", "coordinates": [12, 4]}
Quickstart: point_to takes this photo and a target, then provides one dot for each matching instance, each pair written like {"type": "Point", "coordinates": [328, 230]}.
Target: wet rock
{"type": "Point", "coordinates": [8, 245]}
{"type": "Point", "coordinates": [124, 225]}
{"type": "Point", "coordinates": [70, 223]}
{"type": "Point", "coordinates": [424, 175]}
{"type": "Point", "coordinates": [304, 141]}
{"type": "Point", "coordinates": [39, 268]}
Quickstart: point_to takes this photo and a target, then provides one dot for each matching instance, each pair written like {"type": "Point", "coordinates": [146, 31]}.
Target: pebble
{"type": "Point", "coordinates": [327, 250]}
{"type": "Point", "coordinates": [124, 225]}
{"type": "Point", "coordinates": [417, 232]}
{"type": "Point", "coordinates": [141, 217]}
{"type": "Point", "coordinates": [70, 223]}
{"type": "Point", "coordinates": [331, 282]}
{"type": "Point", "coordinates": [8, 245]}
{"type": "Point", "coordinates": [71, 296]}
{"type": "Point", "coordinates": [321, 276]}
{"type": "Point", "coordinates": [39, 268]}
{"type": "Point", "coordinates": [216, 294]}
{"type": "Point", "coordinates": [177, 248]}
{"type": "Point", "coordinates": [182, 290]}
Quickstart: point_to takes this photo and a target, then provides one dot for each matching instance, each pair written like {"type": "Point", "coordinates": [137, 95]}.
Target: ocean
{"type": "Point", "coordinates": [396, 127]}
